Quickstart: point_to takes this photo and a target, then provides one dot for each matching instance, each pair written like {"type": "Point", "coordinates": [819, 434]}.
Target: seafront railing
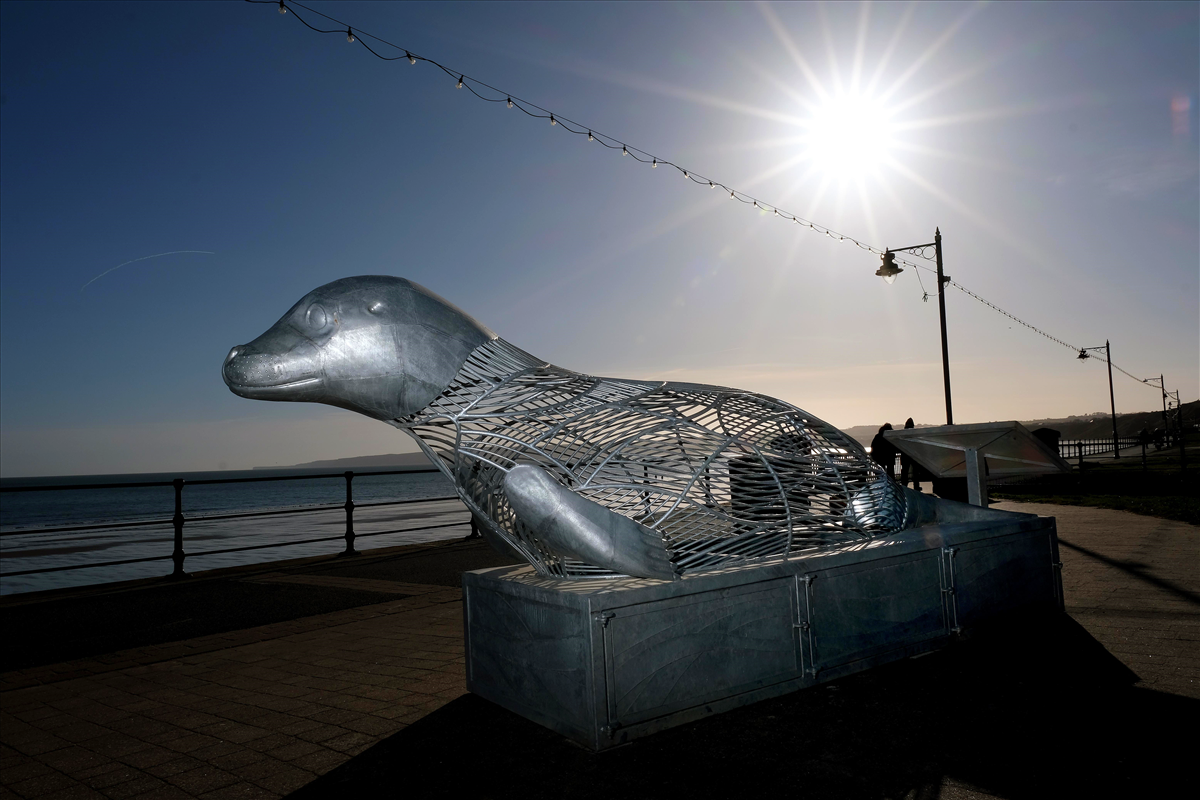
{"type": "Point", "coordinates": [1079, 448]}
{"type": "Point", "coordinates": [178, 520]}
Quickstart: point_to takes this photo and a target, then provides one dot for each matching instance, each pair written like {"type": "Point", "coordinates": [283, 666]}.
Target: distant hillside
{"type": "Point", "coordinates": [1082, 426]}
{"type": "Point", "coordinates": [1099, 426]}
{"type": "Point", "coordinates": [397, 460]}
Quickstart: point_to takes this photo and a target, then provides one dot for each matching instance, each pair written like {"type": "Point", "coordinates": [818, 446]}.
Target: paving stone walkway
{"type": "Point", "coordinates": [1134, 583]}
{"type": "Point", "coordinates": [255, 713]}
{"type": "Point", "coordinates": [264, 711]}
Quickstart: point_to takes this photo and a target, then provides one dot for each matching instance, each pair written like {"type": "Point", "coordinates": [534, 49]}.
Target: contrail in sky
{"type": "Point", "coordinates": [143, 258]}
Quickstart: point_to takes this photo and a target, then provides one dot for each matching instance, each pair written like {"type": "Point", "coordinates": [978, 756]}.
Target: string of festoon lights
{"type": "Point", "coordinates": [473, 85]}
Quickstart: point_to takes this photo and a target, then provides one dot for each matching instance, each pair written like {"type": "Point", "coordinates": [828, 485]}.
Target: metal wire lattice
{"type": "Point", "coordinates": [722, 475]}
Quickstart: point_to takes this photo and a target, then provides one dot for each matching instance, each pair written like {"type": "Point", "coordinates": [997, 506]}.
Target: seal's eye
{"type": "Point", "coordinates": [377, 307]}
{"type": "Point", "coordinates": [316, 317]}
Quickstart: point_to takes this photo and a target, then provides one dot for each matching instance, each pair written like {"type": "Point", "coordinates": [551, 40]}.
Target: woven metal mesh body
{"type": "Point", "coordinates": [722, 475]}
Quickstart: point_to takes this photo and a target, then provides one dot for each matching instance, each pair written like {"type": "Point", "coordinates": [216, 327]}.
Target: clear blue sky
{"type": "Point", "coordinates": [1055, 145]}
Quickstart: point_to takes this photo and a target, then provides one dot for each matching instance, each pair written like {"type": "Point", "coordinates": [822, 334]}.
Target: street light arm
{"type": "Point", "coordinates": [1112, 400]}
{"type": "Point", "coordinates": [888, 271]}
{"type": "Point", "coordinates": [910, 248]}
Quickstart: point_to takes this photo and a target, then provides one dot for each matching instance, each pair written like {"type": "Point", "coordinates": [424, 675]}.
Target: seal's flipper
{"type": "Point", "coordinates": [577, 527]}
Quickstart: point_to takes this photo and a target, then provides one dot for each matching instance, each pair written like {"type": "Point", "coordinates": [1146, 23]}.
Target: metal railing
{"type": "Point", "coordinates": [178, 520]}
{"type": "Point", "coordinates": [1094, 447]}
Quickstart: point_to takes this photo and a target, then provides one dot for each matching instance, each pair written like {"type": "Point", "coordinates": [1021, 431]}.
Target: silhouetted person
{"type": "Point", "coordinates": [908, 467]}
{"type": "Point", "coordinates": [883, 452]}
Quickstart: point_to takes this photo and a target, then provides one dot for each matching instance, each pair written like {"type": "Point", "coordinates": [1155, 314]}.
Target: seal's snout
{"type": "Point", "coordinates": [245, 367]}
{"type": "Point", "coordinates": [250, 372]}
{"type": "Point", "coordinates": [231, 370]}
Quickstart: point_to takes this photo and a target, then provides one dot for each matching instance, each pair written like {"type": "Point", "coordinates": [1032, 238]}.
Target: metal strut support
{"type": "Point", "coordinates": [805, 628]}
{"type": "Point", "coordinates": [949, 589]}
{"type": "Point", "coordinates": [177, 521]}
{"type": "Point", "coordinates": [349, 551]}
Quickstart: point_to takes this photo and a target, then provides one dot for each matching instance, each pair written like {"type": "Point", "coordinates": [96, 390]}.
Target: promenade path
{"type": "Point", "coordinates": [369, 700]}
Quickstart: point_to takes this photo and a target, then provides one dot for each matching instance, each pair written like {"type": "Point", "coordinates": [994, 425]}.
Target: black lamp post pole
{"type": "Point", "coordinates": [1179, 418]}
{"type": "Point", "coordinates": [1112, 403]}
{"type": "Point", "coordinates": [937, 246]}
{"type": "Point", "coordinates": [888, 271]}
{"type": "Point", "coordinates": [1162, 385]}
{"type": "Point", "coordinates": [1083, 356]}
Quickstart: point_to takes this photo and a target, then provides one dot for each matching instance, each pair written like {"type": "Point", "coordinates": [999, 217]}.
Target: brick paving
{"type": "Point", "coordinates": [1133, 583]}
{"type": "Point", "coordinates": [264, 711]}
{"type": "Point", "coordinates": [256, 713]}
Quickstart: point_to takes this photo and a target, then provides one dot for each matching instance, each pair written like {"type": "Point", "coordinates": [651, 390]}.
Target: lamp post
{"type": "Point", "coordinates": [888, 271]}
{"type": "Point", "coordinates": [1162, 387]}
{"type": "Point", "coordinates": [1083, 356]}
{"type": "Point", "coordinates": [1178, 413]}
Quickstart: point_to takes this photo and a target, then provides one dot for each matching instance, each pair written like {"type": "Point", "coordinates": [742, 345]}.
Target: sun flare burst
{"type": "Point", "coordinates": [849, 136]}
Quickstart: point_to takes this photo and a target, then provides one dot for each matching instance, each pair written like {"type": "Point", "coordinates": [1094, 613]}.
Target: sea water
{"type": "Point", "coordinates": [25, 544]}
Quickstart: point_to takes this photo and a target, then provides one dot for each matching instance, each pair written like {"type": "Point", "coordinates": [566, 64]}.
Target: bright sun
{"type": "Point", "coordinates": [849, 136]}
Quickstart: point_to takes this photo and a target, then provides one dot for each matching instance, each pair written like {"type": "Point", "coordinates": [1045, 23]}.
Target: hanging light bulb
{"type": "Point", "coordinates": [624, 152]}
{"type": "Point", "coordinates": [590, 137]}
{"type": "Point", "coordinates": [349, 36]}
{"type": "Point", "coordinates": [552, 122]}
{"type": "Point", "coordinates": [510, 102]}
{"type": "Point", "coordinates": [731, 197]}
{"type": "Point", "coordinates": [712, 185]}
{"type": "Point", "coordinates": [777, 212]}
{"type": "Point", "coordinates": [756, 204]}
{"type": "Point", "coordinates": [460, 79]}
{"type": "Point", "coordinates": [411, 58]}
{"type": "Point", "coordinates": [654, 165]}
{"type": "Point", "coordinates": [282, 7]}
{"type": "Point", "coordinates": [888, 269]}
{"type": "Point", "coordinates": [685, 173]}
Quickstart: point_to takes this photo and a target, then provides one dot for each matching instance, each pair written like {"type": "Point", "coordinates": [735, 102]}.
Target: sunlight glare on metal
{"type": "Point", "coordinates": [849, 136]}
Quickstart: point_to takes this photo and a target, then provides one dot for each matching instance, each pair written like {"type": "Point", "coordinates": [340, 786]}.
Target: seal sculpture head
{"type": "Point", "coordinates": [579, 475]}
{"type": "Point", "coordinates": [378, 345]}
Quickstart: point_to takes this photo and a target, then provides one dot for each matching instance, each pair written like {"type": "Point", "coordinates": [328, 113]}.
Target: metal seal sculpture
{"type": "Point", "coordinates": [581, 476]}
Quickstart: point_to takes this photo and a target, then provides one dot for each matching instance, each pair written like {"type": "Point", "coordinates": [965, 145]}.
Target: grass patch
{"type": "Point", "coordinates": [1160, 489]}
{"type": "Point", "coordinates": [1184, 509]}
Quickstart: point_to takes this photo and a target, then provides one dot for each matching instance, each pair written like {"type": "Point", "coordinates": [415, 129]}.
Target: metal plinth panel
{"type": "Point", "coordinates": [665, 657]}
{"type": "Point", "coordinates": [862, 610]}
{"type": "Point", "coordinates": [992, 577]}
{"type": "Point", "coordinates": [535, 654]}
{"type": "Point", "coordinates": [604, 661]}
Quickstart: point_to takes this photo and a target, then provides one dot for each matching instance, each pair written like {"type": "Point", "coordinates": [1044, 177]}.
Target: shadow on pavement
{"type": "Point", "coordinates": [440, 565]}
{"type": "Point", "coordinates": [78, 627]}
{"type": "Point", "coordinates": [1028, 710]}
{"type": "Point", "coordinates": [50, 629]}
{"type": "Point", "coordinates": [1136, 570]}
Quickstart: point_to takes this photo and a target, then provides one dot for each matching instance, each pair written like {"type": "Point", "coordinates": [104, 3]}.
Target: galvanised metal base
{"type": "Point", "coordinates": [607, 661]}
